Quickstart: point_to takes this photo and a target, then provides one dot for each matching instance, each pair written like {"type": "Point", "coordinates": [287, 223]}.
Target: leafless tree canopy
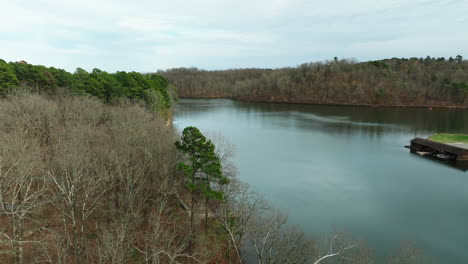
{"type": "Point", "coordinates": [406, 82]}
{"type": "Point", "coordinates": [84, 182]}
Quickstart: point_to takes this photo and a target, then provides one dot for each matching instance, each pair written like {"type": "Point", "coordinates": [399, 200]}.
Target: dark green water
{"type": "Point", "coordinates": [345, 168]}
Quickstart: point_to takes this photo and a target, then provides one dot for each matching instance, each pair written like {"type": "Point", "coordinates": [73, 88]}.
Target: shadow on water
{"type": "Point", "coordinates": [461, 165]}
{"type": "Point", "coordinates": [419, 120]}
{"type": "Point", "coordinates": [347, 119]}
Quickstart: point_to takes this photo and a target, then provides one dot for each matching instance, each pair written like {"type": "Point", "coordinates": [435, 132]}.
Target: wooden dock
{"type": "Point", "coordinates": [453, 151]}
{"type": "Point", "coordinates": [459, 153]}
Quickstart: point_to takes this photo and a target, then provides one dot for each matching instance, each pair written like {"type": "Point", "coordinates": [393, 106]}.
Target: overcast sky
{"type": "Point", "coordinates": [146, 35]}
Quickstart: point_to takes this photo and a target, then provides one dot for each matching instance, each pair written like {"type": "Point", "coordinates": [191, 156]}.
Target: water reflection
{"type": "Point", "coordinates": [461, 165]}
{"type": "Point", "coordinates": [345, 119]}
{"type": "Point", "coordinates": [332, 167]}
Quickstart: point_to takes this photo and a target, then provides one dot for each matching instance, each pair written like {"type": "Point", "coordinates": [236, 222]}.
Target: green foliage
{"type": "Point", "coordinates": [202, 160]}
{"type": "Point", "coordinates": [380, 93]}
{"type": "Point", "coordinates": [461, 86]}
{"type": "Point", "coordinates": [80, 79]}
{"type": "Point", "coordinates": [160, 84]}
{"type": "Point", "coordinates": [41, 77]}
{"type": "Point", "coordinates": [151, 89]}
{"type": "Point", "coordinates": [445, 81]}
{"type": "Point", "coordinates": [104, 86]}
{"type": "Point", "coordinates": [8, 78]}
{"type": "Point", "coordinates": [91, 236]}
{"type": "Point", "coordinates": [379, 64]}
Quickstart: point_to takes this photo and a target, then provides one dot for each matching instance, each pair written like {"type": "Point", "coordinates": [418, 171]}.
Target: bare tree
{"type": "Point", "coordinates": [237, 213]}
{"type": "Point", "coordinates": [338, 246]}
{"type": "Point", "coordinates": [21, 194]}
{"type": "Point", "coordinates": [167, 243]}
{"type": "Point", "coordinates": [274, 242]}
{"type": "Point", "coordinates": [345, 81]}
{"type": "Point", "coordinates": [115, 243]}
{"type": "Point", "coordinates": [167, 240]}
{"type": "Point", "coordinates": [54, 248]}
{"type": "Point", "coordinates": [77, 195]}
{"type": "Point", "coordinates": [225, 151]}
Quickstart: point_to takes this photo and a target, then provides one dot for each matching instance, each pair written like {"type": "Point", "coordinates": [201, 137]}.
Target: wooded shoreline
{"type": "Point", "coordinates": [413, 82]}
{"type": "Point", "coordinates": [243, 99]}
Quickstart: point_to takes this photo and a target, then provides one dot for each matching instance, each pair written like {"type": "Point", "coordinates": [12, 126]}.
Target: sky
{"type": "Point", "coordinates": [148, 35]}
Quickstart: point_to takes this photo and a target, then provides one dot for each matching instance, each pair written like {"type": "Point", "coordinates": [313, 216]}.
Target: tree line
{"type": "Point", "coordinates": [151, 89]}
{"type": "Point", "coordinates": [391, 82]}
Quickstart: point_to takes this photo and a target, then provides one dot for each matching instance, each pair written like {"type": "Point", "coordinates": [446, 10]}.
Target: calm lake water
{"type": "Point", "coordinates": [345, 168]}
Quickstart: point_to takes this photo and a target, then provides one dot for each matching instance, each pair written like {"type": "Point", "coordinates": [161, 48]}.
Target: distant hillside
{"type": "Point", "coordinates": [390, 82]}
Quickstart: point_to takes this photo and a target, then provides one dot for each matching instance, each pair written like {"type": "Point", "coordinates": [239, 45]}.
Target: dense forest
{"type": "Point", "coordinates": [390, 82]}
{"type": "Point", "coordinates": [90, 172]}
{"type": "Point", "coordinates": [151, 89]}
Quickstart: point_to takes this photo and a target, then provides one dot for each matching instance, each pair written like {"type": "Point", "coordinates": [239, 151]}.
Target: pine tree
{"type": "Point", "coordinates": [203, 168]}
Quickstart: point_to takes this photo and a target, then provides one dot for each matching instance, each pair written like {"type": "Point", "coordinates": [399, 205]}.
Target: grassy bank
{"type": "Point", "coordinates": [449, 138]}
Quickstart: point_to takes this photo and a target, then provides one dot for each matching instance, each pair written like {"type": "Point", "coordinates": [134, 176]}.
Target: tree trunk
{"type": "Point", "coordinates": [192, 207]}
{"type": "Point", "coordinates": [206, 215]}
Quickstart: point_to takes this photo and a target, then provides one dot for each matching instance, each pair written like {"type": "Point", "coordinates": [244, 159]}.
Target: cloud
{"type": "Point", "coordinates": [146, 35]}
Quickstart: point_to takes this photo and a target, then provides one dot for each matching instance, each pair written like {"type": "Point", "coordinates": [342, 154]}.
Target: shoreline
{"type": "Point", "coordinates": [240, 99]}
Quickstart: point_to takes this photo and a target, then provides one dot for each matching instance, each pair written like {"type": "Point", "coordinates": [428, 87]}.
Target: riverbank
{"type": "Point", "coordinates": [392, 82]}
{"type": "Point", "coordinates": [306, 102]}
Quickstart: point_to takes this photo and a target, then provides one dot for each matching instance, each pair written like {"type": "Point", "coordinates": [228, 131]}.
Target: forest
{"type": "Point", "coordinates": [150, 89]}
{"type": "Point", "coordinates": [390, 82]}
{"type": "Point", "coordinates": [91, 172]}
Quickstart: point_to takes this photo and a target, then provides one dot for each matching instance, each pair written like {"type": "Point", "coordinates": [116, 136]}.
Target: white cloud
{"type": "Point", "coordinates": [147, 34]}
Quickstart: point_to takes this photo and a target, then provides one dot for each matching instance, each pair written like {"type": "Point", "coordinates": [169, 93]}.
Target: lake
{"type": "Point", "coordinates": [345, 168]}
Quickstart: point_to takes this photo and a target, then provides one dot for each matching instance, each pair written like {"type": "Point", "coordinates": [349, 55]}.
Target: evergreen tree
{"type": "Point", "coordinates": [8, 78]}
{"type": "Point", "coordinates": [203, 167]}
